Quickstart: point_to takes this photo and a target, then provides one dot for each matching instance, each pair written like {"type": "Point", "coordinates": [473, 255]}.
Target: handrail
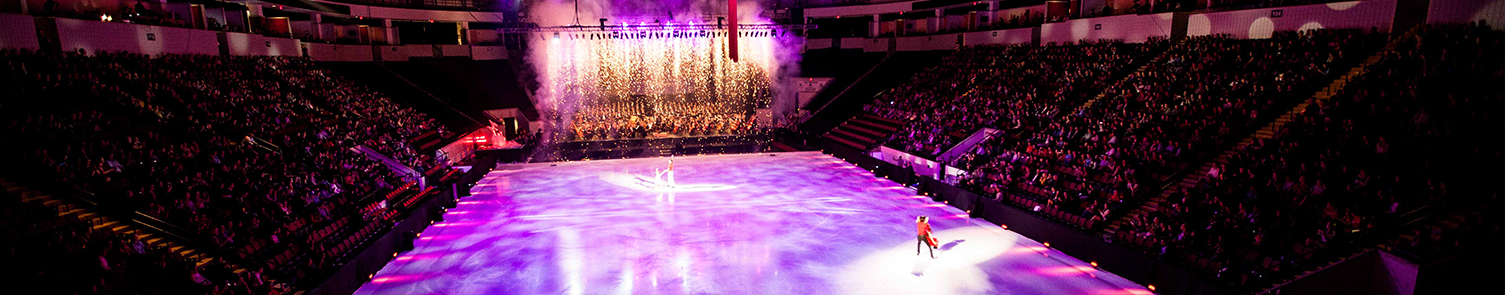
{"type": "Point", "coordinates": [849, 86]}
{"type": "Point", "coordinates": [141, 219]}
{"type": "Point", "coordinates": [1313, 272]}
{"type": "Point", "coordinates": [138, 216]}
{"type": "Point", "coordinates": [429, 95]}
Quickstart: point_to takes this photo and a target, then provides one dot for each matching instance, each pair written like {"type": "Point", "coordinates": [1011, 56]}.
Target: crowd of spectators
{"type": "Point", "coordinates": [49, 254]}
{"type": "Point", "coordinates": [1205, 88]}
{"type": "Point", "coordinates": [1094, 160]}
{"type": "Point", "coordinates": [231, 149]}
{"type": "Point", "coordinates": [1022, 91]}
{"type": "Point", "coordinates": [1167, 117]}
{"type": "Point", "coordinates": [1396, 139]}
{"type": "Point", "coordinates": [378, 122]}
{"type": "Point", "coordinates": [1392, 142]}
{"type": "Point", "coordinates": [1000, 87]}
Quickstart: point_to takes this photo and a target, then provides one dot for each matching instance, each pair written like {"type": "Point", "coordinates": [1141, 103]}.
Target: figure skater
{"type": "Point", "coordinates": [923, 238]}
{"type": "Point", "coordinates": [669, 172]}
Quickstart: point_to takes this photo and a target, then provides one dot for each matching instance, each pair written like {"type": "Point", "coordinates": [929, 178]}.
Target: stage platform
{"type": "Point", "coordinates": [770, 223]}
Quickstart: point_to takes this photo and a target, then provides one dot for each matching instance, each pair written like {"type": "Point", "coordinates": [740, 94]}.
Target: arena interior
{"type": "Point", "coordinates": [379, 147]}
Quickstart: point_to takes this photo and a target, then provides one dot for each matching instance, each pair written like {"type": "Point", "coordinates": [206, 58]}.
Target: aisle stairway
{"type": "Point", "coordinates": [845, 103]}
{"type": "Point", "coordinates": [1143, 65]}
{"type": "Point", "coordinates": [864, 131]}
{"type": "Point", "coordinates": [72, 210]}
{"type": "Point", "coordinates": [1448, 221]}
{"type": "Point", "coordinates": [781, 147]}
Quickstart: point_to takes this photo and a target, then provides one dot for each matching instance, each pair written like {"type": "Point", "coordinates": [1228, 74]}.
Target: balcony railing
{"type": "Point", "coordinates": [429, 4]}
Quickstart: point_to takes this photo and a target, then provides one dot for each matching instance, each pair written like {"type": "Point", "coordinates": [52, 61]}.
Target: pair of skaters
{"type": "Point", "coordinates": [659, 175]}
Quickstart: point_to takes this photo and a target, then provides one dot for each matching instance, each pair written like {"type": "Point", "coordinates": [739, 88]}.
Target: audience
{"type": "Point", "coordinates": [1395, 139]}
{"type": "Point", "coordinates": [234, 149]}
{"type": "Point", "coordinates": [1001, 87]}
{"type": "Point", "coordinates": [246, 151]}
{"type": "Point", "coordinates": [1389, 143]}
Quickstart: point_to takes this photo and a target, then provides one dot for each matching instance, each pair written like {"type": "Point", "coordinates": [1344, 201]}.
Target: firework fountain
{"type": "Point", "coordinates": [639, 76]}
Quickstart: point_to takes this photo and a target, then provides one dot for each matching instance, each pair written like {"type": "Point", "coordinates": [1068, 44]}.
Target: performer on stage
{"type": "Point", "coordinates": [924, 239]}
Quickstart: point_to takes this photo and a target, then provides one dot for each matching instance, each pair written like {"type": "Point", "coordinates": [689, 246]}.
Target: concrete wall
{"type": "Point", "coordinates": [1260, 23]}
{"type": "Point", "coordinates": [866, 45]}
{"type": "Point", "coordinates": [96, 36]}
{"type": "Point", "coordinates": [1492, 12]}
{"type": "Point", "coordinates": [818, 43]}
{"type": "Point", "coordinates": [455, 50]}
{"type": "Point", "coordinates": [872, 45]}
{"type": "Point", "coordinates": [402, 53]}
{"type": "Point", "coordinates": [18, 32]}
{"type": "Point", "coordinates": [809, 88]}
{"type": "Point", "coordinates": [484, 36]}
{"type": "Point", "coordinates": [488, 52]}
{"type": "Point", "coordinates": [421, 14]}
{"type": "Point", "coordinates": [339, 52]}
{"type": "Point", "coordinates": [327, 31]}
{"type": "Point", "coordinates": [251, 44]}
{"type": "Point", "coordinates": [953, 23]}
{"type": "Point", "coordinates": [1010, 36]}
{"type": "Point", "coordinates": [927, 43]}
{"type": "Point", "coordinates": [416, 14]}
{"type": "Point", "coordinates": [303, 29]}
{"type": "Point", "coordinates": [1128, 28]}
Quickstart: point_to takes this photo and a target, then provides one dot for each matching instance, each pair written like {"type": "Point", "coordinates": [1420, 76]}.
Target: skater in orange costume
{"type": "Point", "coordinates": [922, 224]}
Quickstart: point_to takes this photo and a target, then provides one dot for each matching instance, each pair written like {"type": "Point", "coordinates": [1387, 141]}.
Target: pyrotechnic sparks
{"type": "Point", "coordinates": [657, 80]}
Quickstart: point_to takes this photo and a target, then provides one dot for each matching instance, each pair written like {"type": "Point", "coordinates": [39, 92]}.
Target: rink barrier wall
{"type": "Point", "coordinates": [378, 250]}
{"type": "Point", "coordinates": [1121, 260]}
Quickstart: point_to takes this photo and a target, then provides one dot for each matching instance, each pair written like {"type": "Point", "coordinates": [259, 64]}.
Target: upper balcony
{"type": "Point", "coordinates": [462, 5]}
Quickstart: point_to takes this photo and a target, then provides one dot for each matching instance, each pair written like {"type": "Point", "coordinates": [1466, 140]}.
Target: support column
{"type": "Point", "coordinates": [253, 14]}
{"type": "Point", "coordinates": [392, 37]}
{"type": "Point", "coordinates": [993, 17]}
{"type": "Point", "coordinates": [314, 29]}
{"type": "Point", "coordinates": [875, 27]}
{"type": "Point", "coordinates": [935, 22]}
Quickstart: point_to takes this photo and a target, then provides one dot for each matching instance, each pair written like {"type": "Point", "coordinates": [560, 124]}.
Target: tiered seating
{"type": "Point", "coordinates": [54, 253]}
{"type": "Point", "coordinates": [864, 131]}
{"type": "Point", "coordinates": [1094, 161]}
{"type": "Point", "coordinates": [249, 154]}
{"type": "Point", "coordinates": [1336, 177]}
{"type": "Point", "coordinates": [1002, 87]}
